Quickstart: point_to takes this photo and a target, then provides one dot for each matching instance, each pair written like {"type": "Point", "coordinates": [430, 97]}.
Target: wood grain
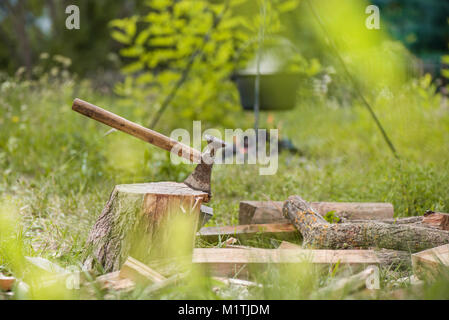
{"type": "Point", "coordinates": [247, 231]}
{"type": "Point", "coordinates": [136, 130]}
{"type": "Point", "coordinates": [223, 262]}
{"type": "Point", "coordinates": [437, 220]}
{"type": "Point", "coordinates": [261, 212]}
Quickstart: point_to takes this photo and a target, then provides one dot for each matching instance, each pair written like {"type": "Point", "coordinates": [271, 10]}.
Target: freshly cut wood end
{"type": "Point", "coordinates": [248, 230]}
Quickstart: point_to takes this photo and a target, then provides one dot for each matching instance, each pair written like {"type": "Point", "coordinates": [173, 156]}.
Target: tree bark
{"type": "Point", "coordinates": [142, 220]}
{"type": "Point", "coordinates": [317, 232]}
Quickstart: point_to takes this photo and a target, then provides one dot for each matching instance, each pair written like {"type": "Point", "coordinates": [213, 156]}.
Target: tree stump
{"type": "Point", "coordinates": [318, 233]}
{"type": "Point", "coordinates": [143, 221]}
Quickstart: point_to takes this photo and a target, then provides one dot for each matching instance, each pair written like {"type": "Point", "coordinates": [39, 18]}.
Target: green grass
{"type": "Point", "coordinates": [58, 169]}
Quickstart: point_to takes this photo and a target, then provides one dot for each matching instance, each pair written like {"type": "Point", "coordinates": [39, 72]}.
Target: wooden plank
{"type": "Point", "coordinates": [436, 220]}
{"type": "Point", "coordinates": [391, 258]}
{"type": "Point", "coordinates": [139, 273]}
{"type": "Point", "coordinates": [288, 245]}
{"type": "Point", "coordinates": [274, 230]}
{"type": "Point", "coordinates": [224, 262]}
{"type": "Point", "coordinates": [428, 263]}
{"type": "Point", "coordinates": [261, 212]}
{"type": "Point", "coordinates": [113, 281]}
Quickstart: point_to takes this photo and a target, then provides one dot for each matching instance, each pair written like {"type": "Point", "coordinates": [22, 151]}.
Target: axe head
{"type": "Point", "coordinates": [200, 178]}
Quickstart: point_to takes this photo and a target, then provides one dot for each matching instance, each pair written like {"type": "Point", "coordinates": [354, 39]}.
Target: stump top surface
{"type": "Point", "coordinates": [165, 187]}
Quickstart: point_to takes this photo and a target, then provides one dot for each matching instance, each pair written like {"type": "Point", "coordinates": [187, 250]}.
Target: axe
{"type": "Point", "coordinates": [199, 179]}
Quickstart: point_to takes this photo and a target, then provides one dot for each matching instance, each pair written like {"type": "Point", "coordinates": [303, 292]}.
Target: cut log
{"type": "Point", "coordinates": [6, 283]}
{"type": "Point", "coordinates": [139, 272]}
{"type": "Point", "coordinates": [143, 220]}
{"type": "Point", "coordinates": [429, 263]}
{"type": "Point", "coordinates": [437, 220]}
{"type": "Point", "coordinates": [349, 284]}
{"type": "Point", "coordinates": [318, 233]}
{"type": "Point", "coordinates": [239, 262]}
{"type": "Point", "coordinates": [386, 257]}
{"type": "Point", "coordinates": [260, 212]}
{"type": "Point", "coordinates": [278, 230]}
{"type": "Point", "coordinates": [173, 280]}
{"type": "Point", "coordinates": [289, 245]}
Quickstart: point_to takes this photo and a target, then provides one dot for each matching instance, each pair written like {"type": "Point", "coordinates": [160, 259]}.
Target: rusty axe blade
{"type": "Point", "coordinates": [199, 179]}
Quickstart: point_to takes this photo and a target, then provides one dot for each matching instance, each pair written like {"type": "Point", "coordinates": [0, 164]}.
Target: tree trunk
{"type": "Point", "coordinates": [147, 221]}
{"type": "Point", "coordinates": [317, 232]}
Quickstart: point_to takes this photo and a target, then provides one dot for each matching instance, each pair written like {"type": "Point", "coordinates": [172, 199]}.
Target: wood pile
{"type": "Point", "coordinates": [361, 237]}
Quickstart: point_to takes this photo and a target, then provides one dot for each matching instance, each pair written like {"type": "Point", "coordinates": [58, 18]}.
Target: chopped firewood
{"type": "Point", "coordinates": [318, 233]}
{"type": "Point", "coordinates": [113, 281]}
{"type": "Point", "coordinates": [428, 263]}
{"type": "Point", "coordinates": [349, 284]}
{"type": "Point", "coordinates": [139, 272]}
{"type": "Point", "coordinates": [46, 265]}
{"type": "Point", "coordinates": [260, 212]}
{"type": "Point", "coordinates": [417, 220]}
{"type": "Point", "coordinates": [237, 282]}
{"type": "Point", "coordinates": [394, 258]}
{"type": "Point", "coordinates": [6, 283]}
{"type": "Point", "coordinates": [173, 280]}
{"type": "Point", "coordinates": [224, 262]}
{"type": "Point", "coordinates": [279, 230]}
{"type": "Point", "coordinates": [386, 257]}
{"type": "Point", "coordinates": [436, 219]}
{"type": "Point", "coordinates": [137, 221]}
{"type": "Point", "coordinates": [234, 246]}
{"type": "Point", "coordinates": [231, 241]}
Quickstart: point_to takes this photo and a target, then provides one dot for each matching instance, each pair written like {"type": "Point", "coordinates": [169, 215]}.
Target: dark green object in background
{"type": "Point", "coordinates": [277, 90]}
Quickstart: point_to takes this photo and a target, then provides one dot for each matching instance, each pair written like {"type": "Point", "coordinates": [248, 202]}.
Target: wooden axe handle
{"type": "Point", "coordinates": [136, 130]}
